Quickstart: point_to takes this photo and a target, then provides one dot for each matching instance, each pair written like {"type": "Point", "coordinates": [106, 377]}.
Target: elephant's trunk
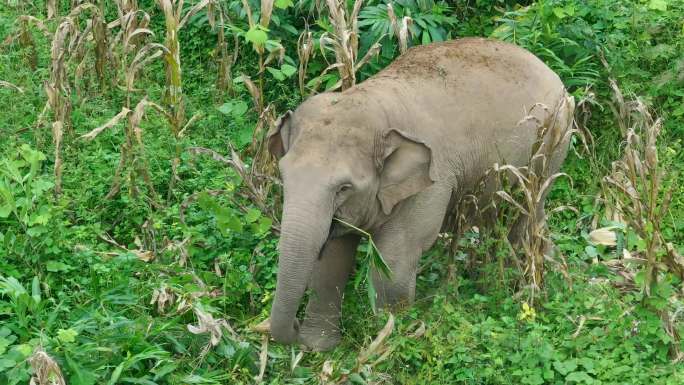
{"type": "Point", "coordinates": [304, 230]}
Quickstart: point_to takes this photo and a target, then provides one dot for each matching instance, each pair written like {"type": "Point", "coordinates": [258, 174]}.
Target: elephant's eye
{"type": "Point", "coordinates": [344, 188]}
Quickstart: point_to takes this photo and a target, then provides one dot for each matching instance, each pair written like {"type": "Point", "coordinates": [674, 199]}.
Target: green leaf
{"type": "Point", "coordinates": [565, 367]}
{"type": "Point", "coordinates": [235, 108]}
{"type": "Point", "coordinates": [67, 335]}
{"type": "Point", "coordinates": [206, 202]}
{"type": "Point", "coordinates": [6, 363]}
{"type": "Point", "coordinates": [559, 12]}
{"type": "Point", "coordinates": [256, 36]}
{"type": "Point", "coordinates": [252, 215]}
{"type": "Point", "coordinates": [116, 374]}
{"type": "Point", "coordinates": [227, 220]}
{"type": "Point", "coordinates": [56, 266]}
{"type": "Point", "coordinates": [276, 73]}
{"type": "Point", "coordinates": [283, 4]}
{"type": "Point", "coordinates": [36, 231]}
{"type": "Point", "coordinates": [35, 290]}
{"type": "Point", "coordinates": [79, 376]}
{"type": "Point", "coordinates": [658, 5]}
{"type": "Point", "coordinates": [356, 378]}
{"type": "Point", "coordinates": [24, 349]}
{"type": "Point", "coordinates": [288, 70]}
{"type": "Point", "coordinates": [263, 225]}
{"type": "Point", "coordinates": [579, 377]}
{"type": "Point", "coordinates": [426, 38]}
{"type": "Point", "coordinates": [4, 343]}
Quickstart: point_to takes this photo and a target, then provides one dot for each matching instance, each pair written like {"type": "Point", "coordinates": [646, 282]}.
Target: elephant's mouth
{"type": "Point", "coordinates": [338, 229]}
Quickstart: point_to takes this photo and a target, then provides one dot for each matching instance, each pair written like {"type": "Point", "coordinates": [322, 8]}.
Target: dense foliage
{"type": "Point", "coordinates": [134, 254]}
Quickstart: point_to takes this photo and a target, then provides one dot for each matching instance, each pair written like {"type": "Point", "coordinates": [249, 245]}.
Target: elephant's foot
{"type": "Point", "coordinates": [319, 339]}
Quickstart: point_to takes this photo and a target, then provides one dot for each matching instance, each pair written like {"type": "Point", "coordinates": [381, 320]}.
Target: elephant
{"type": "Point", "coordinates": [390, 155]}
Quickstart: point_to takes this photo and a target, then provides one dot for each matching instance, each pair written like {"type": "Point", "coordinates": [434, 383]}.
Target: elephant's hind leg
{"type": "Point", "coordinates": [321, 328]}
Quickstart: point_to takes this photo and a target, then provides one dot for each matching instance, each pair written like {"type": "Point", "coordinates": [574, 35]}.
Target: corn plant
{"type": "Point", "coordinates": [175, 105]}
{"type": "Point", "coordinates": [305, 49]}
{"type": "Point", "coordinates": [636, 196]}
{"type": "Point", "coordinates": [529, 187]}
{"type": "Point", "coordinates": [26, 40]}
{"type": "Point", "coordinates": [97, 30]}
{"type": "Point", "coordinates": [133, 161]}
{"type": "Point", "coordinates": [258, 36]}
{"type": "Point", "coordinates": [224, 59]}
{"type": "Point", "coordinates": [401, 31]}
{"type": "Point", "coordinates": [344, 42]}
{"type": "Point", "coordinates": [52, 7]}
{"type": "Point", "coordinates": [636, 191]}
{"type": "Point", "coordinates": [59, 93]}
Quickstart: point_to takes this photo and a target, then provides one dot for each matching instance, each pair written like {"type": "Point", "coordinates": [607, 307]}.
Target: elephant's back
{"type": "Point", "coordinates": [466, 98]}
{"type": "Point", "coordinates": [463, 58]}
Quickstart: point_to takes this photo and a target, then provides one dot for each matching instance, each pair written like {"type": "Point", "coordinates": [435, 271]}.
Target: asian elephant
{"type": "Point", "coordinates": [389, 155]}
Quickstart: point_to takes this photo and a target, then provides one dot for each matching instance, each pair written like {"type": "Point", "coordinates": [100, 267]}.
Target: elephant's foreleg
{"type": "Point", "coordinates": [321, 328]}
{"type": "Point", "coordinates": [403, 239]}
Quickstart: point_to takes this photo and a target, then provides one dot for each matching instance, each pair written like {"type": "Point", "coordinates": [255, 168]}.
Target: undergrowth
{"type": "Point", "coordinates": [163, 281]}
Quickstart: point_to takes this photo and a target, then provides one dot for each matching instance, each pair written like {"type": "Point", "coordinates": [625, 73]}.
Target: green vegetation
{"type": "Point", "coordinates": [139, 210]}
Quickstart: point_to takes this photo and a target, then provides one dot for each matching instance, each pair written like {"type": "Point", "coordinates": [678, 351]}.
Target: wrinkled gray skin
{"type": "Point", "coordinates": [389, 156]}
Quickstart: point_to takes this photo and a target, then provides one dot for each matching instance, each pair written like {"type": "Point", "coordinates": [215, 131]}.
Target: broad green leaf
{"type": "Point", "coordinates": [56, 266]}
{"type": "Point", "coordinates": [288, 70]}
{"type": "Point", "coordinates": [276, 73]}
{"type": "Point", "coordinates": [283, 4]}
{"type": "Point", "coordinates": [235, 108]}
{"type": "Point", "coordinates": [263, 225]}
{"type": "Point", "coordinates": [67, 335]}
{"type": "Point", "coordinates": [256, 36]}
{"type": "Point", "coordinates": [206, 202]}
{"type": "Point", "coordinates": [559, 12]}
{"type": "Point", "coordinates": [24, 349]}
{"type": "Point", "coordinates": [580, 377]}
{"type": "Point", "coordinates": [4, 343]}
{"type": "Point", "coordinates": [252, 215]}
{"type": "Point", "coordinates": [227, 220]}
{"type": "Point", "coordinates": [658, 5]}
{"type": "Point", "coordinates": [6, 363]}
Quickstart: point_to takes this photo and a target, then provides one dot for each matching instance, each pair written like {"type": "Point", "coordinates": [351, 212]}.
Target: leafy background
{"type": "Point", "coordinates": [121, 290]}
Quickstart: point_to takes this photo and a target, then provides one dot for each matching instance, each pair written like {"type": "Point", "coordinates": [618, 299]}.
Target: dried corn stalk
{"type": "Point", "coordinates": [531, 185]}
{"type": "Point", "coordinates": [133, 161]}
{"type": "Point", "coordinates": [305, 50]}
{"type": "Point", "coordinates": [45, 369]}
{"type": "Point", "coordinates": [344, 42]}
{"type": "Point", "coordinates": [173, 99]}
{"type": "Point", "coordinates": [401, 32]}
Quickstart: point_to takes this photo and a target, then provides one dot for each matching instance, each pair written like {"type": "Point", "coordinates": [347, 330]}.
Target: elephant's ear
{"type": "Point", "coordinates": [278, 137]}
{"type": "Point", "coordinates": [404, 164]}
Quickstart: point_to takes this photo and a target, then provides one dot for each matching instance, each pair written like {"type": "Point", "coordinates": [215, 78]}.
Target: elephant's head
{"type": "Point", "coordinates": [337, 159]}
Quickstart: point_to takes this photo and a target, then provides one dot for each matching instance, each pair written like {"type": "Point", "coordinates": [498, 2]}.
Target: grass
{"type": "Point", "coordinates": [120, 290]}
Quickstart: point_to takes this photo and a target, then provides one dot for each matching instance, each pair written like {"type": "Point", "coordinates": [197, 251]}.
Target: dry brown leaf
{"type": "Point", "coordinates": [325, 376]}
{"type": "Point", "coordinates": [263, 327]}
{"type": "Point", "coordinates": [263, 359]}
{"type": "Point", "coordinates": [604, 236]}
{"type": "Point", "coordinates": [112, 122]}
{"type": "Point", "coordinates": [45, 369]}
{"type": "Point", "coordinates": [144, 255]}
{"type": "Point", "coordinates": [207, 324]}
{"type": "Point", "coordinates": [378, 344]}
{"type": "Point", "coordinates": [10, 85]}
